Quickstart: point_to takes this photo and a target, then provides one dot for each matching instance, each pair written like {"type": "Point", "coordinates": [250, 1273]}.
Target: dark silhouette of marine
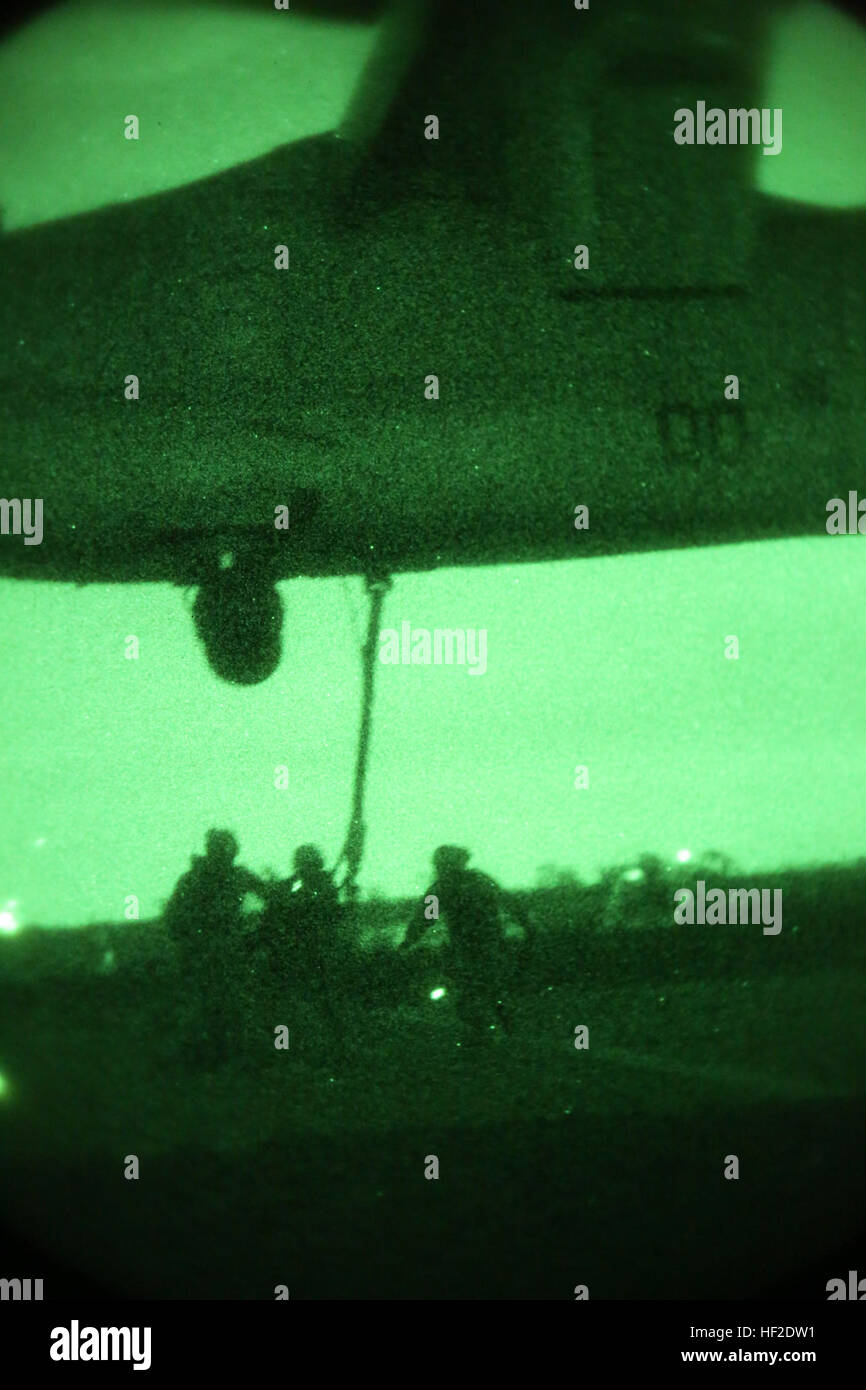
{"type": "Point", "coordinates": [299, 928]}
{"type": "Point", "coordinates": [212, 890]}
{"type": "Point", "coordinates": [300, 915]}
{"type": "Point", "coordinates": [473, 906]}
{"type": "Point", "coordinates": [311, 884]}
{"type": "Point", "coordinates": [203, 918]}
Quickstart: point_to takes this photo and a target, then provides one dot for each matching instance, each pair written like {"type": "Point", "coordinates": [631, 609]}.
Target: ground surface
{"type": "Point", "coordinates": [557, 1166]}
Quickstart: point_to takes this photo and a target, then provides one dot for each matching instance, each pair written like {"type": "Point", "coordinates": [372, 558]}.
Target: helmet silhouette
{"type": "Point", "coordinates": [449, 858]}
{"type": "Point", "coordinates": [308, 858]}
{"type": "Point", "coordinates": [221, 844]}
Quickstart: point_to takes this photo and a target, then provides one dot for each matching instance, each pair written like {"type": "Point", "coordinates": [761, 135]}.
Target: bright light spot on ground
{"type": "Point", "coordinates": [437, 993]}
{"type": "Point", "coordinates": [7, 921]}
{"type": "Point", "coordinates": [4, 1086]}
{"type": "Point", "coordinates": [633, 875]}
{"type": "Point", "coordinates": [683, 856]}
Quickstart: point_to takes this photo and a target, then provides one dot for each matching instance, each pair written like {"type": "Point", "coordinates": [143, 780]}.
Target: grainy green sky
{"type": "Point", "coordinates": [113, 769]}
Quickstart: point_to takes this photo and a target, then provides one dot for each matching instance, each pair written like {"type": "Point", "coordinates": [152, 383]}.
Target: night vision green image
{"type": "Point", "coordinates": [432, 703]}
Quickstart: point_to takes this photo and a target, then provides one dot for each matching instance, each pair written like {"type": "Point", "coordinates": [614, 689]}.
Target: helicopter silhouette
{"type": "Point", "coordinates": [431, 380]}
